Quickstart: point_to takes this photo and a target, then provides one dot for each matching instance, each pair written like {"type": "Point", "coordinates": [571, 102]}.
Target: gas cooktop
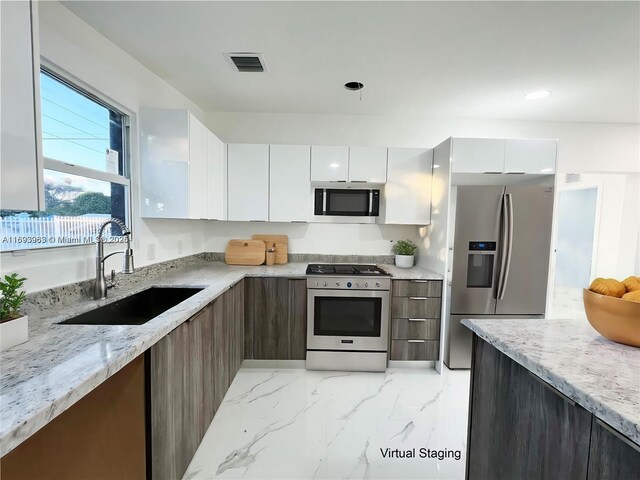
{"type": "Point", "coordinates": [342, 269]}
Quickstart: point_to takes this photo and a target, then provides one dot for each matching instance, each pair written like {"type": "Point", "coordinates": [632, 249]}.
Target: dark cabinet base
{"type": "Point", "coordinates": [520, 427]}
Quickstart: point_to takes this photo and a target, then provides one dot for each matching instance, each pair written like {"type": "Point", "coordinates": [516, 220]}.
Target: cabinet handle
{"type": "Point", "coordinates": [418, 298]}
{"type": "Point", "coordinates": [338, 181]}
{"type": "Point", "coordinates": [492, 173]}
{"type": "Point", "coordinates": [419, 281]}
{"type": "Point", "coordinates": [417, 319]}
{"type": "Point", "coordinates": [618, 435]}
{"type": "Point", "coordinates": [514, 173]}
{"type": "Point", "coordinates": [299, 221]}
{"type": "Point", "coordinates": [417, 341]}
{"type": "Point", "coordinates": [257, 220]}
{"type": "Point", "coordinates": [358, 181]}
{"type": "Point", "coordinates": [552, 389]}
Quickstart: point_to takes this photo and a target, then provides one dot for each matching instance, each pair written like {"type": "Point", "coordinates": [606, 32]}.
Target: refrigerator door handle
{"type": "Point", "coordinates": [503, 246]}
{"type": "Point", "coordinates": [509, 245]}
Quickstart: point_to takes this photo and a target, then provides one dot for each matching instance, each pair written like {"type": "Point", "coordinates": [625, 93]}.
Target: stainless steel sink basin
{"type": "Point", "coordinates": [136, 309]}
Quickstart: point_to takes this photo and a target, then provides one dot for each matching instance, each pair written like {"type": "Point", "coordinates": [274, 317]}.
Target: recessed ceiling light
{"type": "Point", "coordinates": [538, 94]}
{"type": "Point", "coordinates": [354, 86]}
{"type": "Point", "coordinates": [334, 165]}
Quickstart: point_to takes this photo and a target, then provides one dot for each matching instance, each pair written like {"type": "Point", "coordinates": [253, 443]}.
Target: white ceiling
{"type": "Point", "coordinates": [453, 59]}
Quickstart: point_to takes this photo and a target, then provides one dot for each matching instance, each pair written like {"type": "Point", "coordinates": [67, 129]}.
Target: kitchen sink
{"type": "Point", "coordinates": [136, 309]}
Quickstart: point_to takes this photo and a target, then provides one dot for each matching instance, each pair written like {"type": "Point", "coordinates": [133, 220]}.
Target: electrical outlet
{"type": "Point", "coordinates": [179, 246]}
{"type": "Point", "coordinates": [151, 251]}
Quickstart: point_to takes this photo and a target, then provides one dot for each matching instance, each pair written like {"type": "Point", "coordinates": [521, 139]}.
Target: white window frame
{"type": "Point", "coordinates": [72, 169]}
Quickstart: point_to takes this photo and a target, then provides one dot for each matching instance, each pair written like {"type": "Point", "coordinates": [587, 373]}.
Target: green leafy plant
{"type": "Point", "coordinates": [404, 247]}
{"type": "Point", "coordinates": [12, 298]}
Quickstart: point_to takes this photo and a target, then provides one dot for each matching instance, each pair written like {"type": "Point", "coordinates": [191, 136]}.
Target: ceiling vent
{"type": "Point", "coordinates": [246, 62]}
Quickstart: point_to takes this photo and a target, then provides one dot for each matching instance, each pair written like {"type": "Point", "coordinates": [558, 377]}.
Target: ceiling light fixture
{"type": "Point", "coordinates": [355, 87]}
{"type": "Point", "coordinates": [538, 94]}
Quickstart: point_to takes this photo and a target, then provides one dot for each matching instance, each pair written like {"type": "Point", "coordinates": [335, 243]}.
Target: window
{"type": "Point", "coordinates": [85, 171]}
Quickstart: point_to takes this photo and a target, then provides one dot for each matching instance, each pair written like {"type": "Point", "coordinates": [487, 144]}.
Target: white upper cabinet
{"type": "Point", "coordinates": [248, 182]}
{"type": "Point", "coordinates": [289, 183]}
{"type": "Point", "coordinates": [407, 193]}
{"type": "Point", "coordinates": [198, 183]}
{"type": "Point", "coordinates": [530, 156]}
{"type": "Point", "coordinates": [21, 180]}
{"type": "Point", "coordinates": [329, 164]}
{"type": "Point", "coordinates": [173, 164]}
{"type": "Point", "coordinates": [367, 164]}
{"type": "Point", "coordinates": [478, 155]}
{"type": "Point", "coordinates": [216, 178]}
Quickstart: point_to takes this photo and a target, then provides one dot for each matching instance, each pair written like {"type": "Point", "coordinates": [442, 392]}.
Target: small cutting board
{"type": "Point", "coordinates": [245, 252]}
{"type": "Point", "coordinates": [281, 242]}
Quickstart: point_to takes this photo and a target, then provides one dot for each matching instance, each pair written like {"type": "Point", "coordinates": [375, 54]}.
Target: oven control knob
{"type": "Point", "coordinates": [317, 284]}
{"type": "Point", "coordinates": [325, 284]}
{"type": "Point", "coordinates": [377, 284]}
{"type": "Point", "coordinates": [349, 284]}
{"type": "Point", "coordinates": [337, 284]}
{"type": "Point", "coordinates": [366, 285]}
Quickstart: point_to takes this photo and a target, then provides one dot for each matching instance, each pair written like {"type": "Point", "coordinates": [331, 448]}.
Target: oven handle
{"type": "Point", "coordinates": [417, 341]}
{"type": "Point", "coordinates": [417, 319]}
{"type": "Point", "coordinates": [418, 298]}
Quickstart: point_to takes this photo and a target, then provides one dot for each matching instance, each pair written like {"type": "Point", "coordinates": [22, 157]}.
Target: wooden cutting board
{"type": "Point", "coordinates": [281, 243]}
{"type": "Point", "coordinates": [245, 252]}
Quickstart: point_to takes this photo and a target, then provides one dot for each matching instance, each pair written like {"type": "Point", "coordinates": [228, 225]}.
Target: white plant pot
{"type": "Point", "coordinates": [14, 332]}
{"type": "Point", "coordinates": [404, 261]}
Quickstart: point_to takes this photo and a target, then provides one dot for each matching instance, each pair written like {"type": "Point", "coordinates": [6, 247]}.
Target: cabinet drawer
{"type": "Point", "coordinates": [416, 307]}
{"type": "Point", "coordinates": [414, 349]}
{"type": "Point", "coordinates": [417, 288]}
{"type": "Point", "coordinates": [415, 328]}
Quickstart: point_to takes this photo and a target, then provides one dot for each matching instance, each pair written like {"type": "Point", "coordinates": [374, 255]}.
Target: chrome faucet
{"type": "Point", "coordinates": [100, 286]}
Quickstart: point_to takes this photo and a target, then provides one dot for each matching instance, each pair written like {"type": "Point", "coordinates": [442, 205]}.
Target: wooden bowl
{"type": "Point", "coordinates": [613, 318]}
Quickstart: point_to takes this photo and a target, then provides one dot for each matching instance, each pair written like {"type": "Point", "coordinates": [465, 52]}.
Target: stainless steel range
{"type": "Point", "coordinates": [348, 317]}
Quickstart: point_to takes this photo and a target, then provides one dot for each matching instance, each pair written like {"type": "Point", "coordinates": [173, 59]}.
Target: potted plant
{"type": "Point", "coordinates": [14, 327]}
{"type": "Point", "coordinates": [405, 251]}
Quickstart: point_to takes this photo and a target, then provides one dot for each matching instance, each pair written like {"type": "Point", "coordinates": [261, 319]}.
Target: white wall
{"type": "Point", "coordinates": [583, 147]}
{"type": "Point", "coordinates": [72, 46]}
{"type": "Point", "coordinates": [338, 239]}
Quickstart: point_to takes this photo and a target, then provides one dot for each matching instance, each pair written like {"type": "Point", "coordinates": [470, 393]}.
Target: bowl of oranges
{"type": "Point", "coordinates": [613, 309]}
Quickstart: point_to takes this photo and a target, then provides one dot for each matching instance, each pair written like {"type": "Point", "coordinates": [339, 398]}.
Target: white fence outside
{"type": "Point", "coordinates": [21, 232]}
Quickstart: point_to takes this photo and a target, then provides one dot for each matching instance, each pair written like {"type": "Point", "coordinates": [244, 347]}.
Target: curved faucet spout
{"type": "Point", "coordinates": [100, 284]}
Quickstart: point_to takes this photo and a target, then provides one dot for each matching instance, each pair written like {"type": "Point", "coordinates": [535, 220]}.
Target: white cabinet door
{"type": "Point", "coordinates": [197, 168]}
{"type": "Point", "coordinates": [164, 163]}
{"type": "Point", "coordinates": [478, 155]}
{"type": "Point", "coordinates": [368, 164]}
{"type": "Point", "coordinates": [21, 182]}
{"type": "Point", "coordinates": [530, 156]}
{"type": "Point", "coordinates": [329, 164]}
{"type": "Point", "coordinates": [289, 183]}
{"type": "Point", "coordinates": [248, 185]}
{"type": "Point", "coordinates": [216, 178]}
{"type": "Point", "coordinates": [407, 193]}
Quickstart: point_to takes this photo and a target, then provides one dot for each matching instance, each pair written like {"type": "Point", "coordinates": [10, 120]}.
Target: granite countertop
{"type": "Point", "coordinates": [600, 375]}
{"type": "Point", "coordinates": [60, 364]}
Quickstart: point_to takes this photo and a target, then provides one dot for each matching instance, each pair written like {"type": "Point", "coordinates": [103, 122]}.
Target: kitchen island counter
{"type": "Point", "coordinates": [600, 375]}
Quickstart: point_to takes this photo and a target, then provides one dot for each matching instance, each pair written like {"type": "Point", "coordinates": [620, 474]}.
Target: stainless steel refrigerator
{"type": "Point", "coordinates": [500, 265]}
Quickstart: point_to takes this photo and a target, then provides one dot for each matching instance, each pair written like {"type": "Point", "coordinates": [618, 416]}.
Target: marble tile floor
{"type": "Point", "coordinates": [298, 424]}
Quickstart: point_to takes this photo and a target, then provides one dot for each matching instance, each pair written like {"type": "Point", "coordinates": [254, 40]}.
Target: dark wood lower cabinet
{"type": "Point", "coordinates": [101, 437]}
{"type": "Point", "coordinates": [275, 319]}
{"type": "Point", "coordinates": [189, 373]}
{"type": "Point", "coordinates": [612, 456]}
{"type": "Point", "coordinates": [521, 427]}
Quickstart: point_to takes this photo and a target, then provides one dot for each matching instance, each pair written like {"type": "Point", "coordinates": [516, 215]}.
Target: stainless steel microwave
{"type": "Point", "coordinates": [351, 202]}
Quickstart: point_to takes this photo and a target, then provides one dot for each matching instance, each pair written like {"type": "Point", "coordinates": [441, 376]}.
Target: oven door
{"type": "Point", "coordinates": [348, 320]}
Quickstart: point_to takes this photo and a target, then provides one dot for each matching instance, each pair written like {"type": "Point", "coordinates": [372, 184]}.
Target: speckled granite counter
{"type": "Point", "coordinates": [62, 363]}
{"type": "Point", "coordinates": [600, 375]}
